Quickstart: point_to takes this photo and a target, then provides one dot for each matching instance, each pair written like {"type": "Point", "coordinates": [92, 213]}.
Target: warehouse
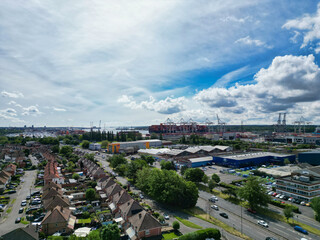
{"type": "Point", "coordinates": [134, 146]}
{"type": "Point", "coordinates": [312, 157]}
{"type": "Point", "coordinates": [199, 162]}
{"type": "Point", "coordinates": [252, 159]}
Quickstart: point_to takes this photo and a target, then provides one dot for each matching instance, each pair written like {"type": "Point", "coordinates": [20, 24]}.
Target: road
{"type": "Point", "coordinates": [34, 160]}
{"type": "Point", "coordinates": [277, 229]}
{"type": "Point", "coordinates": [7, 223]}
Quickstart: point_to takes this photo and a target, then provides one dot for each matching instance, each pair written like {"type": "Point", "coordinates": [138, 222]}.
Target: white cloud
{"type": "Point", "coordinates": [31, 110]}
{"type": "Point", "coordinates": [14, 104]}
{"type": "Point", "coordinates": [309, 25]}
{"type": "Point", "coordinates": [59, 109]}
{"type": "Point", "coordinates": [10, 114]}
{"type": "Point", "coordinates": [12, 94]}
{"type": "Point", "coordinates": [166, 106]}
{"type": "Point", "coordinates": [288, 83]}
{"type": "Point", "coordinates": [237, 20]}
{"type": "Point", "coordinates": [229, 77]}
{"type": "Point", "coordinates": [252, 42]}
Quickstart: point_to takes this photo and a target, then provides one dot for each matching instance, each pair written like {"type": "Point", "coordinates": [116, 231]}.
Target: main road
{"type": "Point", "coordinates": [239, 216]}
{"type": "Point", "coordinates": [7, 223]}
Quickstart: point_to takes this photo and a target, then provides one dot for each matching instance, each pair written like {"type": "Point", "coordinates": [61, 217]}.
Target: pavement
{"type": "Point", "coordinates": [7, 223]}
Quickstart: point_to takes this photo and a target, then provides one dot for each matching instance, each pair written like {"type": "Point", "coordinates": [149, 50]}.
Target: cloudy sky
{"type": "Point", "coordinates": [69, 63]}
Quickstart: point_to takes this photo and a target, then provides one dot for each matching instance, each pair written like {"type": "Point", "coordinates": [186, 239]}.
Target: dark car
{"type": "Point", "coordinates": [35, 193]}
{"type": "Point", "coordinates": [18, 220]}
{"type": "Point", "coordinates": [270, 238]}
{"type": "Point", "coordinates": [285, 198]}
{"type": "Point", "coordinates": [224, 215]}
{"type": "Point", "coordinates": [28, 197]}
{"type": "Point", "coordinates": [11, 191]}
{"type": "Point", "coordinates": [21, 210]}
{"type": "Point", "coordinates": [251, 210]}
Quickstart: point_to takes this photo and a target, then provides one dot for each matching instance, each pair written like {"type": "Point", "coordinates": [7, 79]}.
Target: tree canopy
{"type": "Point", "coordinates": [168, 187]}
{"type": "Point", "coordinates": [215, 178]}
{"type": "Point", "coordinates": [66, 150]}
{"type": "Point", "coordinates": [167, 165]}
{"type": "Point", "coordinates": [288, 212]}
{"type": "Point", "coordinates": [254, 192]}
{"type": "Point", "coordinates": [110, 232]}
{"type": "Point", "coordinates": [194, 174]}
{"type": "Point", "coordinates": [116, 160]}
{"type": "Point", "coordinates": [315, 205]}
{"type": "Point", "coordinates": [85, 144]}
{"type": "Point", "coordinates": [90, 194]}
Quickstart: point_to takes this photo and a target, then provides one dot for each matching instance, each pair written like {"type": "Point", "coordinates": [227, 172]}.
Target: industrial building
{"type": "Point", "coordinates": [95, 146]}
{"type": "Point", "coordinates": [134, 146]}
{"type": "Point", "coordinates": [302, 184]}
{"type": "Point", "coordinates": [199, 162]}
{"type": "Point", "coordinates": [252, 159]}
{"type": "Point", "coordinates": [312, 157]}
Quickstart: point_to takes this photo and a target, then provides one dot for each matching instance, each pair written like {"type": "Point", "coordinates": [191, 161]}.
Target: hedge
{"type": "Point", "coordinates": [283, 205]}
{"type": "Point", "coordinates": [202, 234]}
{"type": "Point", "coordinates": [226, 185]}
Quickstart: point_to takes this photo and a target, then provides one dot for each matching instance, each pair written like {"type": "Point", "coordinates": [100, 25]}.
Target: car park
{"type": "Point", "coordinates": [278, 195]}
{"type": "Point", "coordinates": [215, 207]}
{"type": "Point", "coordinates": [224, 215]}
{"type": "Point", "coordinates": [18, 220]}
{"type": "Point", "coordinates": [262, 223]}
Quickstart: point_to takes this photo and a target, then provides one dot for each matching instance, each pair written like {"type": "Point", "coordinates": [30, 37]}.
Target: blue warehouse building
{"type": "Point", "coordinates": [199, 162]}
{"type": "Point", "coordinates": [252, 159]}
{"type": "Point", "coordinates": [312, 157]}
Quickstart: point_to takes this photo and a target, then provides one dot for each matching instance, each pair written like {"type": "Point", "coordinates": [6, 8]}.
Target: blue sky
{"type": "Point", "coordinates": [141, 62]}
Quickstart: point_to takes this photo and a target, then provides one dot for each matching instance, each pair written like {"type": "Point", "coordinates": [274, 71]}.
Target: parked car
{"type": "Point", "coordinates": [213, 199]}
{"type": "Point", "coordinates": [21, 210]}
{"type": "Point", "coordinates": [11, 191]}
{"type": "Point", "coordinates": [274, 194]}
{"type": "Point", "coordinates": [35, 193]}
{"type": "Point", "coordinates": [215, 207]}
{"type": "Point", "coordinates": [303, 203]}
{"type": "Point", "coordinates": [166, 216]}
{"type": "Point", "coordinates": [290, 199]}
{"type": "Point", "coordinates": [285, 198]}
{"type": "Point", "coordinates": [18, 220]}
{"type": "Point", "coordinates": [262, 223]}
{"type": "Point", "coordinates": [28, 197]}
{"type": "Point", "coordinates": [300, 229]}
{"type": "Point", "coordinates": [270, 238]}
{"type": "Point", "coordinates": [24, 203]}
{"type": "Point", "coordinates": [270, 193]}
{"type": "Point", "coordinates": [141, 196]}
{"type": "Point", "coordinates": [224, 215]}
{"type": "Point", "coordinates": [308, 204]}
{"type": "Point", "coordinates": [39, 219]}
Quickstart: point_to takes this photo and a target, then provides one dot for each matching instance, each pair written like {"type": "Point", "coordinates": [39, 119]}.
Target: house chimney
{"type": "Point", "coordinates": [119, 193]}
{"type": "Point", "coordinates": [140, 215]}
{"type": "Point", "coordinates": [128, 203]}
{"type": "Point", "coordinates": [61, 208]}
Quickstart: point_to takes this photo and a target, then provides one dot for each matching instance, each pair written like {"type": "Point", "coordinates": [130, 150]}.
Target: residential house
{"type": "Point", "coordinates": [24, 233]}
{"type": "Point", "coordinates": [49, 193]}
{"type": "Point", "coordinates": [59, 220]}
{"type": "Point", "coordinates": [11, 168]}
{"type": "Point", "coordinates": [57, 200]}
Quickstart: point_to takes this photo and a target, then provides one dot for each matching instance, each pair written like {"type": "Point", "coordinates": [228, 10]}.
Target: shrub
{"type": "Point", "coordinates": [283, 205]}
{"type": "Point", "coordinates": [156, 214]}
{"type": "Point", "coordinates": [176, 225]}
{"type": "Point", "coordinates": [202, 234]}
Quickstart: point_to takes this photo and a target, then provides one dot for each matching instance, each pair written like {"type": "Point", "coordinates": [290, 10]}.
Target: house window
{"type": "Point", "coordinates": [56, 224]}
{"type": "Point", "coordinates": [147, 232]}
{"type": "Point", "coordinates": [64, 230]}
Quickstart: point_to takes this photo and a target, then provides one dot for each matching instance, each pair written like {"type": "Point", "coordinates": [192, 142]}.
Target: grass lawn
{"type": "Point", "coordinates": [188, 223]}
{"type": "Point", "coordinates": [88, 220]}
{"type": "Point", "coordinates": [9, 210]}
{"type": "Point", "coordinates": [13, 201]}
{"type": "Point", "coordinates": [168, 236]}
{"type": "Point", "coordinates": [24, 221]}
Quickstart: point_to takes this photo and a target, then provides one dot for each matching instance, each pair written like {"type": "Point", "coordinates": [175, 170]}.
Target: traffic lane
{"type": "Point", "coordinates": [277, 227]}
{"type": "Point", "coordinates": [233, 221]}
{"type": "Point", "coordinates": [9, 223]}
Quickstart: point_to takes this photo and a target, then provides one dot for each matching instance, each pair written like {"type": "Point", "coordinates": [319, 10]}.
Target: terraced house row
{"type": "Point", "coordinates": [134, 219]}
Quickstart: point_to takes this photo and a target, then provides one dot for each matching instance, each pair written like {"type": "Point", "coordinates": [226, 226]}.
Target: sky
{"type": "Point", "coordinates": [140, 62]}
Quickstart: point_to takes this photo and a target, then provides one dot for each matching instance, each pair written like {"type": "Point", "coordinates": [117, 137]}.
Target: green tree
{"type": "Point", "coordinates": [116, 160]}
{"type": "Point", "coordinates": [315, 205]}
{"type": "Point", "coordinates": [193, 174]}
{"type": "Point", "coordinates": [149, 159]}
{"type": "Point", "coordinates": [212, 184]}
{"type": "Point", "coordinates": [90, 194]}
{"type": "Point", "coordinates": [215, 178]}
{"type": "Point", "coordinates": [66, 150]}
{"type": "Point", "coordinates": [55, 149]}
{"type": "Point", "coordinates": [26, 152]}
{"type": "Point", "coordinates": [85, 144]}
{"type": "Point", "coordinates": [254, 192]}
{"type": "Point", "coordinates": [166, 165]}
{"type": "Point", "coordinates": [89, 156]}
{"type": "Point", "coordinates": [94, 235]}
{"type": "Point", "coordinates": [75, 176]}
{"type": "Point", "coordinates": [205, 178]}
{"type": "Point", "coordinates": [110, 232]}
{"type": "Point", "coordinates": [176, 225]}
{"type": "Point", "coordinates": [104, 144]}
{"type": "Point", "coordinates": [166, 186]}
{"type": "Point", "coordinates": [288, 212]}
{"type": "Point", "coordinates": [122, 169]}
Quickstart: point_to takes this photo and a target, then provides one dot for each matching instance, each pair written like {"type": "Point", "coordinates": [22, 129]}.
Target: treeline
{"type": "Point", "coordinates": [166, 186]}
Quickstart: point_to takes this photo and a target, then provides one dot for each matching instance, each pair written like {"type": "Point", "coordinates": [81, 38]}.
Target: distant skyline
{"type": "Point", "coordinates": [135, 63]}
